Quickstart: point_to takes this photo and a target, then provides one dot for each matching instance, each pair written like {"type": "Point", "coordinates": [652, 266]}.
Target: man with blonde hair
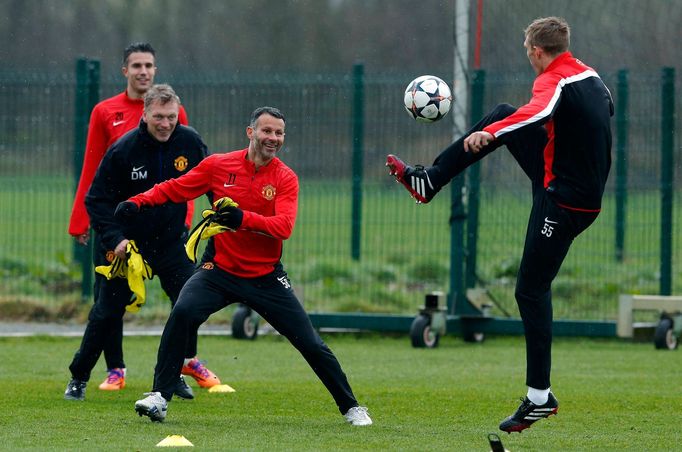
{"type": "Point", "coordinates": [562, 140]}
{"type": "Point", "coordinates": [157, 150]}
{"type": "Point", "coordinates": [110, 120]}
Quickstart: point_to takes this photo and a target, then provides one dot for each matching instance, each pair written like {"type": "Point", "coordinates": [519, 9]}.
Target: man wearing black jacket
{"type": "Point", "coordinates": [159, 149]}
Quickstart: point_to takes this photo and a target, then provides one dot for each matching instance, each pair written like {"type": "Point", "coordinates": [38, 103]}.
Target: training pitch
{"type": "Point", "coordinates": [613, 395]}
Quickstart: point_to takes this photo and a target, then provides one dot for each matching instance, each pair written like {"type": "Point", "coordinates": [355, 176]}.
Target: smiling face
{"type": "Point", "coordinates": [139, 70]}
{"type": "Point", "coordinates": [161, 119]}
{"type": "Point", "coordinates": [266, 137]}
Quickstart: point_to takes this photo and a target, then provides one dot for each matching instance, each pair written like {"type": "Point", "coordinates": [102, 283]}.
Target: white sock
{"type": "Point", "coordinates": [538, 396]}
{"type": "Point", "coordinates": [187, 360]}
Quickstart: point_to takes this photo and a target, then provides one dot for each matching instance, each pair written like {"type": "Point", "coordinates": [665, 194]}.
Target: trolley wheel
{"type": "Point", "coordinates": [244, 324]}
{"type": "Point", "coordinates": [474, 337]}
{"type": "Point", "coordinates": [664, 336]}
{"type": "Point", "coordinates": [421, 333]}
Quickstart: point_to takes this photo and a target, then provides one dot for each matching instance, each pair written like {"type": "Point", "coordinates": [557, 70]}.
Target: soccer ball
{"type": "Point", "coordinates": [427, 98]}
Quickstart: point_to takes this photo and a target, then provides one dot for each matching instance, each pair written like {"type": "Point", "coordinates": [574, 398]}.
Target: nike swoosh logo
{"type": "Point", "coordinates": [118, 123]}
{"type": "Point", "coordinates": [138, 169]}
{"type": "Point", "coordinates": [228, 185]}
{"type": "Point", "coordinates": [547, 220]}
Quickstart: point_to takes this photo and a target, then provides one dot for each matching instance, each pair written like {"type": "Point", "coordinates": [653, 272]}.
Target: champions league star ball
{"type": "Point", "coordinates": [427, 98]}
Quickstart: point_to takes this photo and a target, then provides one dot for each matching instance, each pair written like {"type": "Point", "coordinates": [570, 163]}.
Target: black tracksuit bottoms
{"type": "Point", "coordinates": [272, 297]}
{"type": "Point", "coordinates": [105, 319]}
{"type": "Point", "coordinates": [551, 230]}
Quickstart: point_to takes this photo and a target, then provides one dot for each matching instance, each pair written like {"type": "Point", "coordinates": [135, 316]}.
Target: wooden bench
{"type": "Point", "coordinates": [627, 304]}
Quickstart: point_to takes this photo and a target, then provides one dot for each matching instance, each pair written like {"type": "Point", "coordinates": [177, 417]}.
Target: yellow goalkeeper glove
{"type": "Point", "coordinates": [209, 226]}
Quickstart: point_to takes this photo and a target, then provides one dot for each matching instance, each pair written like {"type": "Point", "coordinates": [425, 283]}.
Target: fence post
{"type": "Point", "coordinates": [474, 172]}
{"type": "Point", "coordinates": [358, 135]}
{"type": "Point", "coordinates": [621, 161]}
{"type": "Point", "coordinates": [465, 210]}
{"type": "Point", "coordinates": [87, 95]}
{"type": "Point", "coordinates": [458, 215]}
{"type": "Point", "coordinates": [667, 175]}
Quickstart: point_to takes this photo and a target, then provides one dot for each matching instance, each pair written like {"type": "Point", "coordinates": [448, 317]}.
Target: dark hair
{"type": "Point", "coordinates": [143, 47]}
{"type": "Point", "coordinates": [272, 111]}
{"type": "Point", "coordinates": [162, 93]}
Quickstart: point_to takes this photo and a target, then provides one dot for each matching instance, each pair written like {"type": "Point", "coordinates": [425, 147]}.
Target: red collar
{"type": "Point", "coordinates": [560, 59]}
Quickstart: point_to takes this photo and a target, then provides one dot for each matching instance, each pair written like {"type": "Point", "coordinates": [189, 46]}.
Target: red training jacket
{"type": "Point", "coordinates": [268, 197]}
{"type": "Point", "coordinates": [575, 107]}
{"type": "Point", "coordinates": [109, 120]}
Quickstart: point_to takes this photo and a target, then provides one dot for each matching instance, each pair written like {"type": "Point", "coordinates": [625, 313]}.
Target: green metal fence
{"type": "Point", "coordinates": [360, 244]}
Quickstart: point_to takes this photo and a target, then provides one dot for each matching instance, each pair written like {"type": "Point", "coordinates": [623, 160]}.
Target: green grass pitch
{"type": "Point", "coordinates": [614, 395]}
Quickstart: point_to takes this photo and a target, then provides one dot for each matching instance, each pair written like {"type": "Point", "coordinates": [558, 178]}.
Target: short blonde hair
{"type": "Point", "coordinates": [552, 34]}
{"type": "Point", "coordinates": [162, 93]}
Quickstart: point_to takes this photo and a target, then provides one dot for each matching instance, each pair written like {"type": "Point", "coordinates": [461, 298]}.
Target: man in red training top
{"type": "Point", "coordinates": [562, 141]}
{"type": "Point", "coordinates": [110, 120]}
{"type": "Point", "coordinates": [241, 265]}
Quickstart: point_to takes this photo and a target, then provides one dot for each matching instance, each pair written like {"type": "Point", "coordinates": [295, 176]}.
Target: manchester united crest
{"type": "Point", "coordinates": [269, 192]}
{"type": "Point", "coordinates": [180, 163]}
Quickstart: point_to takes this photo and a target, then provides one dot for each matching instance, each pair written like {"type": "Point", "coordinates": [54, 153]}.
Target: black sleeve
{"type": "Point", "coordinates": [103, 197]}
{"type": "Point", "coordinates": [203, 148]}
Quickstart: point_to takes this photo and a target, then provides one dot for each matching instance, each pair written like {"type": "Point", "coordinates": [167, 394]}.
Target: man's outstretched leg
{"type": "Point", "coordinates": [424, 182]}
{"type": "Point", "coordinates": [173, 272]}
{"type": "Point", "coordinates": [415, 179]}
{"type": "Point", "coordinates": [276, 302]}
{"type": "Point", "coordinates": [196, 302]}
